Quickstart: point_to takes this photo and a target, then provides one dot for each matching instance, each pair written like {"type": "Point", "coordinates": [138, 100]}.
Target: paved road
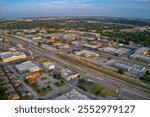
{"type": "Point", "coordinates": [56, 93]}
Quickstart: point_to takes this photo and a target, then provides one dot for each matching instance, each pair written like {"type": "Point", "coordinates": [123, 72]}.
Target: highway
{"type": "Point", "coordinates": [102, 71]}
{"type": "Point", "coordinates": [128, 92]}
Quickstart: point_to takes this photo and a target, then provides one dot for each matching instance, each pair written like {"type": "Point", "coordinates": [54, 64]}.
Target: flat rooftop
{"type": "Point", "coordinates": [73, 95]}
{"type": "Point", "coordinates": [10, 54]}
{"type": "Point", "coordinates": [25, 66]}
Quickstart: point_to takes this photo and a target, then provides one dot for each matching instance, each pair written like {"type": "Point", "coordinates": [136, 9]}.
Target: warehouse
{"type": "Point", "coordinates": [86, 53]}
{"type": "Point", "coordinates": [122, 66]}
{"type": "Point", "coordinates": [142, 54]}
{"type": "Point", "coordinates": [115, 51]}
{"type": "Point", "coordinates": [12, 56]}
{"type": "Point", "coordinates": [27, 66]}
{"type": "Point", "coordinates": [68, 74]}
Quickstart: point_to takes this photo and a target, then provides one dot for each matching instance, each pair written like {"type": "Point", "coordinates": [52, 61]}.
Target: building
{"type": "Point", "coordinates": [142, 54]}
{"type": "Point", "coordinates": [36, 38]}
{"type": "Point", "coordinates": [87, 53]}
{"type": "Point", "coordinates": [68, 74]}
{"type": "Point", "coordinates": [15, 97]}
{"type": "Point", "coordinates": [122, 66]}
{"type": "Point", "coordinates": [21, 47]}
{"type": "Point", "coordinates": [31, 78]}
{"type": "Point", "coordinates": [107, 43]}
{"type": "Point", "coordinates": [92, 45]}
{"type": "Point", "coordinates": [137, 69]}
{"type": "Point", "coordinates": [33, 75]}
{"type": "Point", "coordinates": [50, 40]}
{"type": "Point", "coordinates": [75, 43]}
{"type": "Point", "coordinates": [49, 66]}
{"type": "Point", "coordinates": [31, 81]}
{"type": "Point", "coordinates": [61, 45]}
{"type": "Point", "coordinates": [28, 52]}
{"type": "Point", "coordinates": [73, 95]}
{"type": "Point", "coordinates": [42, 30]}
{"type": "Point", "coordinates": [12, 56]}
{"type": "Point", "coordinates": [12, 49]}
{"type": "Point", "coordinates": [27, 66]}
{"type": "Point", "coordinates": [115, 51]}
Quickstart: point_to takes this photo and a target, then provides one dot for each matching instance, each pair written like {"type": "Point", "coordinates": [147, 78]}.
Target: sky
{"type": "Point", "coordinates": [42, 8]}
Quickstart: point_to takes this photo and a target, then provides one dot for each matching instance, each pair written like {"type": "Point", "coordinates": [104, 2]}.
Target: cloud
{"type": "Point", "coordinates": [74, 7]}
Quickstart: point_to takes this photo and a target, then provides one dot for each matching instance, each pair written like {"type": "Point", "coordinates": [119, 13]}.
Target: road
{"type": "Point", "coordinates": [58, 92]}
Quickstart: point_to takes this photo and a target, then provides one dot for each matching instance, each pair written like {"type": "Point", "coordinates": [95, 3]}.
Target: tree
{"type": "Point", "coordinates": [3, 40]}
{"type": "Point", "coordinates": [3, 95]}
{"type": "Point", "coordinates": [81, 81]}
{"type": "Point", "coordinates": [146, 76]}
{"type": "Point", "coordinates": [120, 71]}
{"type": "Point", "coordinates": [57, 75]}
{"type": "Point", "coordinates": [37, 31]}
{"type": "Point", "coordinates": [147, 72]}
{"type": "Point", "coordinates": [39, 44]}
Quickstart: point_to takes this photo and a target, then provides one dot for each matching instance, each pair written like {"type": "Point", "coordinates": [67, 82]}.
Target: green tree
{"type": "Point", "coordinates": [57, 75]}
{"type": "Point", "coordinates": [146, 76]}
{"type": "Point", "coordinates": [3, 40]}
{"type": "Point", "coordinates": [37, 31]}
{"type": "Point", "coordinates": [81, 81]}
{"type": "Point", "coordinates": [3, 96]}
{"type": "Point", "coordinates": [120, 71]}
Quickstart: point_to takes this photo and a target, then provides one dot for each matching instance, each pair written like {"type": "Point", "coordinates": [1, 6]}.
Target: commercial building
{"type": "Point", "coordinates": [33, 75]}
{"type": "Point", "coordinates": [50, 40]}
{"type": "Point", "coordinates": [87, 53]}
{"type": "Point", "coordinates": [61, 45]}
{"type": "Point", "coordinates": [75, 43]}
{"type": "Point", "coordinates": [68, 74]}
{"type": "Point", "coordinates": [36, 38]}
{"type": "Point", "coordinates": [28, 52]}
{"type": "Point", "coordinates": [12, 49]}
{"type": "Point", "coordinates": [12, 56]}
{"type": "Point", "coordinates": [107, 43]}
{"type": "Point", "coordinates": [21, 47]}
{"type": "Point", "coordinates": [115, 51]}
{"type": "Point", "coordinates": [73, 95]}
{"type": "Point", "coordinates": [142, 54]}
{"type": "Point", "coordinates": [122, 66]}
{"type": "Point", "coordinates": [49, 66]}
{"type": "Point", "coordinates": [31, 78]}
{"type": "Point", "coordinates": [137, 69]}
{"type": "Point", "coordinates": [92, 45]}
{"type": "Point", "coordinates": [27, 66]}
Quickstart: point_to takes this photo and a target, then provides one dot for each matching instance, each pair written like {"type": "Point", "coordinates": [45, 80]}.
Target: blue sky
{"type": "Point", "coordinates": [116, 8]}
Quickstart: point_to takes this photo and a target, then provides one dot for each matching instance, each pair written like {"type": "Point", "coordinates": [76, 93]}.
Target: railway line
{"type": "Point", "coordinates": [102, 72]}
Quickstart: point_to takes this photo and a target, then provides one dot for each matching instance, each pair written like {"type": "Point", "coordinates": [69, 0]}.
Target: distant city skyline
{"type": "Point", "coordinates": [43, 8]}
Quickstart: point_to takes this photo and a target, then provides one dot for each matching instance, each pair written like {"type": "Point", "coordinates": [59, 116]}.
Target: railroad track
{"type": "Point", "coordinates": [102, 71]}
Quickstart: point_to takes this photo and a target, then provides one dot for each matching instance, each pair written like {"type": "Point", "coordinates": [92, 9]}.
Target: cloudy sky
{"type": "Point", "coordinates": [116, 8]}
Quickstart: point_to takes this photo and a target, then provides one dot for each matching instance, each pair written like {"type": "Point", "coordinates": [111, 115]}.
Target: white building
{"type": "Point", "coordinates": [49, 66]}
